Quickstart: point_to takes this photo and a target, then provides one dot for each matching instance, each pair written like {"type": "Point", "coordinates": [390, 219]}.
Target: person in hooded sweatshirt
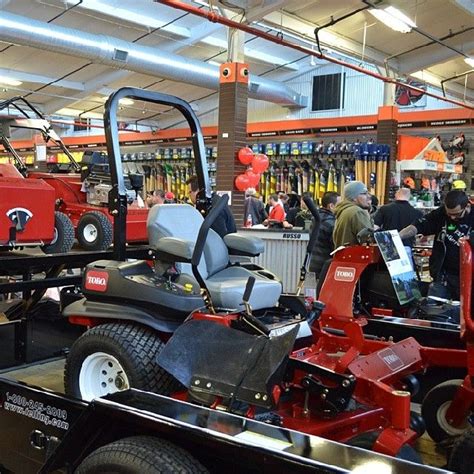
{"type": "Point", "coordinates": [352, 214]}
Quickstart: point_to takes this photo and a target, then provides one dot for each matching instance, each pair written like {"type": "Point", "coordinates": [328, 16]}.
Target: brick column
{"type": "Point", "coordinates": [387, 134]}
{"type": "Point", "coordinates": [232, 132]}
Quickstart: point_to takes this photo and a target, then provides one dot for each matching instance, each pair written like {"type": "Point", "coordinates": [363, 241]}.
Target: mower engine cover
{"type": "Point", "coordinates": [213, 359]}
{"type": "Point", "coordinates": [26, 211]}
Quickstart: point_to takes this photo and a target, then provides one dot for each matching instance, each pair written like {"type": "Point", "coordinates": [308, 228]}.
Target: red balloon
{"type": "Point", "coordinates": [260, 163]}
{"type": "Point", "coordinates": [254, 178]}
{"type": "Point", "coordinates": [245, 155]}
{"type": "Point", "coordinates": [242, 182]}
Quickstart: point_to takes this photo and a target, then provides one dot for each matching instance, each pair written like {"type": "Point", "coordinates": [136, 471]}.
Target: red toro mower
{"type": "Point", "coordinates": [356, 282]}
{"type": "Point", "coordinates": [81, 191]}
{"type": "Point", "coordinates": [345, 387]}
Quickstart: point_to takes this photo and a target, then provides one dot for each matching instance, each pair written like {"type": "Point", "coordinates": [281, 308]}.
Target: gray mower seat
{"type": "Point", "coordinates": [225, 282]}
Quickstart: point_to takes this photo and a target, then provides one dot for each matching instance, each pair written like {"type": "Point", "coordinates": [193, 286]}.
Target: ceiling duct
{"type": "Point", "coordinates": [120, 54]}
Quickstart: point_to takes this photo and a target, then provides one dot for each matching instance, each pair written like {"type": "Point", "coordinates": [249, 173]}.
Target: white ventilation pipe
{"type": "Point", "coordinates": [120, 54]}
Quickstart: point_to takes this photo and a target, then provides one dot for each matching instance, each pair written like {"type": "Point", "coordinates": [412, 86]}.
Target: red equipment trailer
{"type": "Point", "coordinates": [81, 193]}
{"type": "Point", "coordinates": [28, 216]}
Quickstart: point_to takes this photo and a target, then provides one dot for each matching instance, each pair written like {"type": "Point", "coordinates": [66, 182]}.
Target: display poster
{"type": "Point", "coordinates": [399, 265]}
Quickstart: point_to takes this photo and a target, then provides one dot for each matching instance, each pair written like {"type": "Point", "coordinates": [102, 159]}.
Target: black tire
{"type": "Point", "coordinates": [433, 409]}
{"type": "Point", "coordinates": [139, 455]}
{"type": "Point", "coordinates": [95, 231]}
{"type": "Point", "coordinates": [367, 441]}
{"type": "Point", "coordinates": [460, 460]}
{"type": "Point", "coordinates": [119, 355]}
{"type": "Point", "coordinates": [63, 235]}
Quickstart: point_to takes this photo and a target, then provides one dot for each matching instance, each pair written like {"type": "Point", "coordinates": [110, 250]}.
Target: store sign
{"type": "Point", "coordinates": [346, 274]}
{"type": "Point", "coordinates": [96, 281]}
{"type": "Point", "coordinates": [291, 236]}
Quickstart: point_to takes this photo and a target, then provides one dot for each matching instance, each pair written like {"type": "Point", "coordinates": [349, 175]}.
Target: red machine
{"type": "Point", "coordinates": [357, 284]}
{"type": "Point", "coordinates": [448, 406]}
{"type": "Point", "coordinates": [27, 214]}
{"type": "Point", "coordinates": [346, 386]}
{"type": "Point", "coordinates": [81, 191]}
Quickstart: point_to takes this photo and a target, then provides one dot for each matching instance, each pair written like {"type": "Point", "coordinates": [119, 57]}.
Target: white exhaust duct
{"type": "Point", "coordinates": [114, 52]}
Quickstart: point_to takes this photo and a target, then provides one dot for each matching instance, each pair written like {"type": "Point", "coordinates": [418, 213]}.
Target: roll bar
{"type": "Point", "coordinates": [118, 194]}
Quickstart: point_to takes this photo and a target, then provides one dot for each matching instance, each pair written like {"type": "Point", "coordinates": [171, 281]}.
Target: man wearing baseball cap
{"type": "Point", "coordinates": [352, 214]}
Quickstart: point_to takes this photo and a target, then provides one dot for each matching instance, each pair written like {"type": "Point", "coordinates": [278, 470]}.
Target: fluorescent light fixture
{"type": "Point", "coordinates": [137, 13]}
{"type": "Point", "coordinates": [69, 112]}
{"type": "Point", "coordinates": [8, 81]}
{"type": "Point", "coordinates": [213, 63]}
{"type": "Point", "coordinates": [393, 18]}
{"type": "Point", "coordinates": [469, 61]}
{"type": "Point", "coordinates": [126, 101]}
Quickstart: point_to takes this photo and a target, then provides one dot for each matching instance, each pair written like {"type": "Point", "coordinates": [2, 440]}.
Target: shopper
{"type": "Point", "coordinates": [298, 212]}
{"type": "Point", "coordinates": [448, 223]}
{"type": "Point", "coordinates": [352, 214]}
{"type": "Point", "coordinates": [254, 210]}
{"type": "Point", "coordinates": [398, 214]}
{"type": "Point", "coordinates": [324, 243]}
{"type": "Point", "coordinates": [277, 213]}
{"type": "Point", "coordinates": [155, 197]}
{"type": "Point", "coordinates": [283, 199]}
{"type": "Point", "coordinates": [170, 198]}
{"type": "Point", "coordinates": [225, 222]}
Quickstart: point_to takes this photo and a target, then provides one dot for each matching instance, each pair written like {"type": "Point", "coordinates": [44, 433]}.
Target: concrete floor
{"type": "Point", "coordinates": [50, 375]}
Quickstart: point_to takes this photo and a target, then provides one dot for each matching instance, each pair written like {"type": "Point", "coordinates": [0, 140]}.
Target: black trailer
{"type": "Point", "coordinates": [32, 328]}
{"type": "Point", "coordinates": [141, 432]}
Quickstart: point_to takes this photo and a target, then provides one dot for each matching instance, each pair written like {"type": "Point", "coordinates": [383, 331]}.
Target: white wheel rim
{"type": "Point", "coordinates": [55, 236]}
{"type": "Point", "coordinates": [445, 425]}
{"type": "Point", "coordinates": [100, 375]}
{"type": "Point", "coordinates": [90, 233]}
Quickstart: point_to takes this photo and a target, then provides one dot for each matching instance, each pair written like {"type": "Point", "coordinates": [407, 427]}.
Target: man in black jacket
{"type": "Point", "coordinates": [398, 214]}
{"type": "Point", "coordinates": [324, 243]}
{"type": "Point", "coordinates": [225, 222]}
{"type": "Point", "coordinates": [448, 223]}
{"type": "Point", "coordinates": [254, 210]}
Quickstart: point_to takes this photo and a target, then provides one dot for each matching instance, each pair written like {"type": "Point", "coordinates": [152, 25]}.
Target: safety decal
{"type": "Point", "coordinates": [19, 216]}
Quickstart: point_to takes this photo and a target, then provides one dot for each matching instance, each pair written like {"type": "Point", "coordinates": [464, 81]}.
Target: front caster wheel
{"type": "Point", "coordinates": [434, 408]}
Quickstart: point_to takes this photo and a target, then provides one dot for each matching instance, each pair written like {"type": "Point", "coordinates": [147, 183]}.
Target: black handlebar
{"type": "Point", "coordinates": [317, 220]}
{"type": "Point", "coordinates": [251, 320]}
{"type": "Point", "coordinates": [248, 289]}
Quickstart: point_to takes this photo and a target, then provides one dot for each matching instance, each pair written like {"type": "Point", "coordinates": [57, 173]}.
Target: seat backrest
{"type": "Point", "coordinates": [184, 221]}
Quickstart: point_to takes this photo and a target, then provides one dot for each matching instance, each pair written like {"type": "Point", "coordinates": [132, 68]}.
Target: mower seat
{"type": "Point", "coordinates": [225, 282]}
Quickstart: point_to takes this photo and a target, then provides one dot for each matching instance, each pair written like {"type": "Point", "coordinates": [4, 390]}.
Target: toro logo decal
{"type": "Point", "coordinates": [19, 216]}
{"type": "Point", "coordinates": [344, 274]}
{"type": "Point", "coordinates": [391, 360]}
{"type": "Point", "coordinates": [96, 281]}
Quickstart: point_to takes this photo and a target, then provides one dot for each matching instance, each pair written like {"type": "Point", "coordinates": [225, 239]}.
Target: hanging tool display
{"type": "Point", "coordinates": [167, 169]}
{"type": "Point", "coordinates": [316, 167]}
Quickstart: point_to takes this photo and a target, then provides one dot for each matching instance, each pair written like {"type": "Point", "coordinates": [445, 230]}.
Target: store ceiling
{"type": "Point", "coordinates": [56, 81]}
